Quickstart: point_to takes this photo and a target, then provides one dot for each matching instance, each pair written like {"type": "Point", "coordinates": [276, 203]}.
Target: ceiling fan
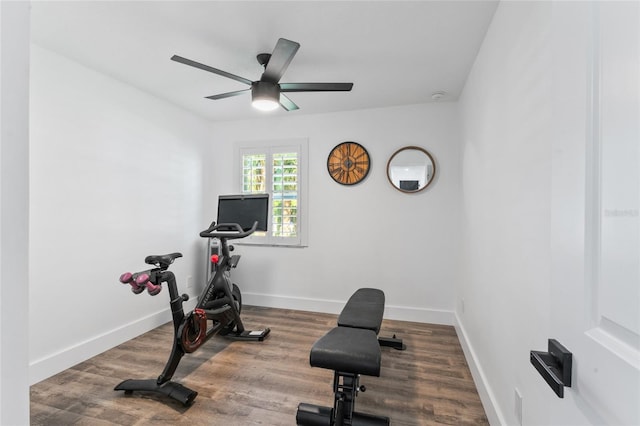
{"type": "Point", "coordinates": [268, 93]}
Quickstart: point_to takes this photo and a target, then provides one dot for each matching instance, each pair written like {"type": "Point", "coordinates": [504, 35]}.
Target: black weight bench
{"type": "Point", "coordinates": [365, 309]}
{"type": "Point", "coordinates": [350, 350]}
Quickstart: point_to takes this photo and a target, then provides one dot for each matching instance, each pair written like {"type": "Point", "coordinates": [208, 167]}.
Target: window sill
{"type": "Point", "coordinates": [259, 244]}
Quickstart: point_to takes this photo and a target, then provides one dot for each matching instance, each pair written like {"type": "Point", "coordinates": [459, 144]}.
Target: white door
{"type": "Point", "coordinates": [595, 220]}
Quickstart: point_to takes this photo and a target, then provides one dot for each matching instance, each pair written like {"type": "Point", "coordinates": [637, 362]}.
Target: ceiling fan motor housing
{"type": "Point", "coordinates": [261, 90]}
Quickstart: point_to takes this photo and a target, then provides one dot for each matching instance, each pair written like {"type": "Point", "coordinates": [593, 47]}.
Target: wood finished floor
{"type": "Point", "coordinates": [261, 383]}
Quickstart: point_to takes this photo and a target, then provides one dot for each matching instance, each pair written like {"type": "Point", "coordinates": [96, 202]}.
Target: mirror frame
{"type": "Point", "coordinates": [406, 148]}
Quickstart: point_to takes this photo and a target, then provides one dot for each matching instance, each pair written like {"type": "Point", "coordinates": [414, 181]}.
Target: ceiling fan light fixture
{"type": "Point", "coordinates": [265, 96]}
{"type": "Point", "coordinates": [264, 104]}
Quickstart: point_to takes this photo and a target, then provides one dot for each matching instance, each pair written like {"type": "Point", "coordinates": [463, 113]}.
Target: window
{"type": "Point", "coordinates": [279, 169]}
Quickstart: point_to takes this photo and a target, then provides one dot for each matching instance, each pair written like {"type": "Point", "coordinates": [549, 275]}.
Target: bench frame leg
{"type": "Point", "coordinates": [392, 342]}
{"type": "Point", "coordinates": [345, 389]}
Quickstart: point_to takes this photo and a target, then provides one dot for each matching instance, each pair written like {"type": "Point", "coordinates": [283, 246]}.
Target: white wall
{"type": "Point", "coordinates": [368, 234]}
{"type": "Point", "coordinates": [14, 212]}
{"type": "Point", "coordinates": [116, 175]}
{"type": "Point", "coordinates": [503, 308]}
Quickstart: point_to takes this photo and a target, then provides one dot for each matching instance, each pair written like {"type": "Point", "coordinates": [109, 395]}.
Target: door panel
{"type": "Point", "coordinates": [595, 300]}
{"type": "Point", "coordinates": [617, 304]}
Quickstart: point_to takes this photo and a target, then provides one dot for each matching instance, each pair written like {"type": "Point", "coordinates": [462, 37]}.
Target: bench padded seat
{"type": "Point", "coordinates": [364, 309]}
{"type": "Point", "coordinates": [348, 350]}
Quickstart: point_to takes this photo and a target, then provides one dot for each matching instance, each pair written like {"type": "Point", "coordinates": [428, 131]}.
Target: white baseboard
{"type": "Point", "coordinates": [428, 316]}
{"type": "Point", "coordinates": [52, 364]}
{"type": "Point", "coordinates": [297, 303]}
{"type": "Point", "coordinates": [491, 408]}
{"type": "Point", "coordinates": [403, 313]}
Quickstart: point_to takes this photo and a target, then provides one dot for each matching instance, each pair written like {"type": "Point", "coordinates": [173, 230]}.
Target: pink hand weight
{"type": "Point", "coordinates": [127, 278]}
{"type": "Point", "coordinates": [140, 283]}
{"type": "Point", "coordinates": [153, 289]}
{"type": "Point", "coordinates": [135, 288]}
{"type": "Point", "coordinates": [142, 279]}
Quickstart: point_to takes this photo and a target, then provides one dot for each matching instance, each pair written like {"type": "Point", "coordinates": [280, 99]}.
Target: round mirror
{"type": "Point", "coordinates": [411, 169]}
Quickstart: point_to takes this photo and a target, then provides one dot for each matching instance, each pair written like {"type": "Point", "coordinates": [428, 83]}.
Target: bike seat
{"type": "Point", "coordinates": [162, 260]}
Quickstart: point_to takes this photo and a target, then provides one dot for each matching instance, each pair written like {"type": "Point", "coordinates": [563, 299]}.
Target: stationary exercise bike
{"type": "Point", "coordinates": [220, 303]}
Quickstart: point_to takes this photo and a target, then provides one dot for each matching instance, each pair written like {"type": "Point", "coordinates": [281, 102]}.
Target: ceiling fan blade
{"type": "Point", "coordinates": [315, 87]}
{"type": "Point", "coordinates": [210, 69]}
{"type": "Point", "coordinates": [287, 103]}
{"type": "Point", "coordinates": [282, 55]}
{"type": "Point", "coordinates": [227, 95]}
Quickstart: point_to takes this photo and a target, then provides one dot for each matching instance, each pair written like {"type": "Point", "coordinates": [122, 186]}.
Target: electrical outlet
{"type": "Point", "coordinates": [462, 306]}
{"type": "Point", "coordinates": [518, 406]}
{"type": "Point", "coordinates": [189, 281]}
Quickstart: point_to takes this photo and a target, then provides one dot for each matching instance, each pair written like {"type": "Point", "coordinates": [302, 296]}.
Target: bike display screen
{"type": "Point", "coordinates": [244, 209]}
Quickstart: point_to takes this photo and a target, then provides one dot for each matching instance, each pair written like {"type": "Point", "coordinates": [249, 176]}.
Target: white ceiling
{"type": "Point", "coordinates": [395, 52]}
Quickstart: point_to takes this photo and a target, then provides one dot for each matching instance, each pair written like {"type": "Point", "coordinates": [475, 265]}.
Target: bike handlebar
{"type": "Point", "coordinates": [232, 231]}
